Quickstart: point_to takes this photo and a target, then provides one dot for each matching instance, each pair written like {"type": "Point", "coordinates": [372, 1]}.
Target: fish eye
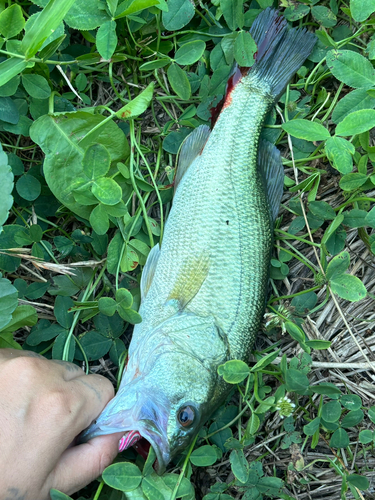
{"type": "Point", "coordinates": [186, 416]}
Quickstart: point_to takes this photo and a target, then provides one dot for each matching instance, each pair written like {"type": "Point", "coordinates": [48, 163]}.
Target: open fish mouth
{"type": "Point", "coordinates": [142, 445]}
{"type": "Point", "coordinates": [143, 425]}
{"type": "Point", "coordinates": [141, 442]}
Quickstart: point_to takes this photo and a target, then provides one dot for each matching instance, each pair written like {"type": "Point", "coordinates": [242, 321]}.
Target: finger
{"type": "Point", "coordinates": [16, 353]}
{"type": "Point", "coordinates": [93, 392]}
{"type": "Point", "coordinates": [82, 464]}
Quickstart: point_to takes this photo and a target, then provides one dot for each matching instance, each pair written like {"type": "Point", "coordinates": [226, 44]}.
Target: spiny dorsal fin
{"type": "Point", "coordinates": [149, 270]}
{"type": "Point", "coordinates": [190, 149]}
{"type": "Point", "coordinates": [190, 279]}
{"type": "Point", "coordinates": [271, 167]}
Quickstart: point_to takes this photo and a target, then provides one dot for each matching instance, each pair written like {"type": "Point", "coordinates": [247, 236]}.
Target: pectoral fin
{"type": "Point", "coordinates": [190, 149]}
{"type": "Point", "coordinates": [149, 270]}
{"type": "Point", "coordinates": [190, 280]}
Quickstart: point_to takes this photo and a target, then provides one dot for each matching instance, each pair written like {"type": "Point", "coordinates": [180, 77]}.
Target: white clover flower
{"type": "Point", "coordinates": [285, 407]}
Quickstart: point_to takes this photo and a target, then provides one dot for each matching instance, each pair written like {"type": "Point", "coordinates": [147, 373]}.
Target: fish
{"type": "Point", "coordinates": [204, 289]}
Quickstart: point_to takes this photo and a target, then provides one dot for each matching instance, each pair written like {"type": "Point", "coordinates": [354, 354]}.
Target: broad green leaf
{"type": "Point", "coordinates": [239, 465]}
{"type": "Point", "coordinates": [124, 298]}
{"type": "Point", "coordinates": [6, 188]}
{"type": "Point", "coordinates": [36, 290]}
{"type": "Point", "coordinates": [351, 182]}
{"type": "Point", "coordinates": [94, 344]}
{"type": "Point", "coordinates": [353, 418]}
{"type": "Point", "coordinates": [295, 12]}
{"type": "Point", "coordinates": [312, 427]}
{"type": "Point", "coordinates": [130, 315]}
{"type": "Point", "coordinates": [234, 371]}
{"type": "Point", "coordinates": [322, 209]}
{"type": "Point", "coordinates": [96, 161]}
{"type": "Point", "coordinates": [106, 39]}
{"type": "Point", "coordinates": [179, 81]}
{"type": "Point", "coordinates": [351, 401]}
{"type": "Point", "coordinates": [22, 316]}
{"type": "Point", "coordinates": [339, 152]}
{"type": "Point", "coordinates": [295, 331]}
{"type": "Point", "coordinates": [49, 19]}
{"type": "Point", "coordinates": [36, 85]}
{"type": "Point", "coordinates": [318, 344]}
{"type": "Point", "coordinates": [351, 68]}
{"type": "Point", "coordinates": [12, 21]}
{"type": "Point", "coordinates": [8, 301]}
{"type": "Point", "coordinates": [123, 476]}
{"type": "Point", "coordinates": [361, 10]}
{"type": "Point", "coordinates": [355, 218]}
{"type": "Point", "coordinates": [10, 68]}
{"type": "Point", "coordinates": [138, 105]}
{"type": "Point", "coordinates": [357, 122]}
{"type": "Point", "coordinates": [38, 335]}
{"type": "Point", "coordinates": [8, 110]}
{"type": "Point", "coordinates": [265, 361]}
{"type": "Point", "coordinates": [366, 436]}
{"type": "Point", "coordinates": [58, 495]}
{"type": "Point", "coordinates": [129, 260]}
{"type": "Point", "coordinates": [107, 306]}
{"type": "Point", "coordinates": [233, 13]}
{"type": "Point", "coordinates": [338, 265]}
{"type": "Point", "coordinates": [179, 14]}
{"type": "Point", "coordinates": [331, 411]}
{"type": "Point", "coordinates": [99, 219]}
{"type": "Point", "coordinates": [327, 389]}
{"type": "Point", "coordinates": [324, 16]}
{"type": "Point", "coordinates": [339, 439]}
{"type": "Point", "coordinates": [116, 351]}
{"type": "Point", "coordinates": [360, 482]}
{"type": "Point", "coordinates": [296, 381]}
{"type": "Point", "coordinates": [114, 253]}
{"type": "Point", "coordinates": [151, 65]}
{"type": "Point", "coordinates": [244, 49]}
{"type": "Point", "coordinates": [153, 488]}
{"type": "Point", "coordinates": [28, 187]}
{"type": "Point", "coordinates": [304, 303]}
{"type": "Point", "coordinates": [203, 456]}
{"type": "Point", "coordinates": [61, 310]}
{"type": "Point", "coordinates": [305, 129]}
{"type": "Point", "coordinates": [348, 287]}
{"type": "Point", "coordinates": [190, 52]}
{"type": "Point", "coordinates": [354, 101]}
{"type": "Point", "coordinates": [83, 15]}
{"type": "Point", "coordinates": [370, 218]}
{"type": "Point", "coordinates": [129, 7]}
{"type": "Point", "coordinates": [63, 140]}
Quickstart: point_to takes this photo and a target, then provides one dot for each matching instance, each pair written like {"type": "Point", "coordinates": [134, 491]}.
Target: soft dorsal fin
{"type": "Point", "coordinates": [149, 270]}
{"type": "Point", "coordinates": [190, 279]}
{"type": "Point", "coordinates": [271, 167]}
{"type": "Point", "coordinates": [190, 149]}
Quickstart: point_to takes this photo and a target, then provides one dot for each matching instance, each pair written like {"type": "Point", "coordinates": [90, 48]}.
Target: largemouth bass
{"type": "Point", "coordinates": [204, 290]}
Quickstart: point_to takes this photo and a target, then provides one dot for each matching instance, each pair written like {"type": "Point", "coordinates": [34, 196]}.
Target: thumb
{"type": "Point", "coordinates": [80, 465]}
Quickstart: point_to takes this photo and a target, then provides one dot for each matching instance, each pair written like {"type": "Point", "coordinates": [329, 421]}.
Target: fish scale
{"type": "Point", "coordinates": [204, 288]}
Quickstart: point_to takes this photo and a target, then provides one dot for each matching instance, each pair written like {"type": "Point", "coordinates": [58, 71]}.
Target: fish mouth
{"type": "Point", "coordinates": [145, 422]}
{"type": "Point", "coordinates": [142, 443]}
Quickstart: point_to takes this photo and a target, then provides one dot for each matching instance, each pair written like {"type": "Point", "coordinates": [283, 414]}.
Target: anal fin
{"type": "Point", "coordinates": [271, 167]}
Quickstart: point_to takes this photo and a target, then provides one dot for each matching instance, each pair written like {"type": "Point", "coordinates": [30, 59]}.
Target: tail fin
{"type": "Point", "coordinates": [281, 52]}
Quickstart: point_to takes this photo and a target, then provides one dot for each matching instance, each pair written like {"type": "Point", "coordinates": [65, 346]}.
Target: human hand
{"type": "Point", "coordinates": [44, 405]}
